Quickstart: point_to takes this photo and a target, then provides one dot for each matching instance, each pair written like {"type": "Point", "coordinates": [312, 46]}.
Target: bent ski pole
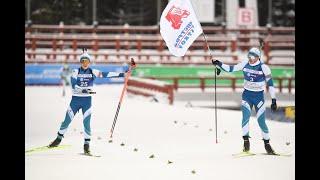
{"type": "Point", "coordinates": [121, 97]}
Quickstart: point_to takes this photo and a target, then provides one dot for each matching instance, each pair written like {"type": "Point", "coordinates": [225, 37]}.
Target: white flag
{"type": "Point", "coordinates": [179, 26]}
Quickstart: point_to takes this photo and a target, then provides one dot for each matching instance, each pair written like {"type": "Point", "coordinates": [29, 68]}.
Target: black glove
{"type": "Point", "coordinates": [274, 105]}
{"type": "Point", "coordinates": [133, 64]}
{"type": "Point", "coordinates": [88, 91]}
{"type": "Point", "coordinates": [216, 63]}
{"type": "Point", "coordinates": [218, 71]}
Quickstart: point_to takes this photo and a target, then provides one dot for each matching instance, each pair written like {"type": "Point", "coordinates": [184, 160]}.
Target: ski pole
{"type": "Point", "coordinates": [215, 102]}
{"type": "Point", "coordinates": [121, 97]}
{"type": "Point", "coordinates": [261, 45]}
{"type": "Point", "coordinates": [216, 72]}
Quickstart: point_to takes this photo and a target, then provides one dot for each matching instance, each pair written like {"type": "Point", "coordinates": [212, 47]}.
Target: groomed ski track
{"type": "Point", "coordinates": [185, 136]}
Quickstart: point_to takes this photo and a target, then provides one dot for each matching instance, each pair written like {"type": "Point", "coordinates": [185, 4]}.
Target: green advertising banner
{"type": "Point", "coordinates": [202, 71]}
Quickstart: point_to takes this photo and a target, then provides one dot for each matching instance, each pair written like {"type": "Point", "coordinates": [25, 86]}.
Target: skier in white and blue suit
{"type": "Point", "coordinates": [256, 75]}
{"type": "Point", "coordinates": [65, 77]}
{"type": "Point", "coordinates": [82, 82]}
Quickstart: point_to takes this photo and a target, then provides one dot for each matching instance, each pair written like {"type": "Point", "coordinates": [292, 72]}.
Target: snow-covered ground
{"type": "Point", "coordinates": [185, 136]}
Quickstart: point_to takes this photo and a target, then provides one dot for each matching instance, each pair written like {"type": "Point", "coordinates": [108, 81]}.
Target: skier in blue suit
{"type": "Point", "coordinates": [82, 82]}
{"type": "Point", "coordinates": [256, 75]}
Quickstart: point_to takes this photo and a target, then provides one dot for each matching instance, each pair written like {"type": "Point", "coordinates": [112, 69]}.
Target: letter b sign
{"type": "Point", "coordinates": [245, 16]}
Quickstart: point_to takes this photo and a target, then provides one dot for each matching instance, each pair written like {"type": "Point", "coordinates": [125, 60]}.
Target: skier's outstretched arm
{"type": "Point", "coordinates": [229, 68]}
{"type": "Point", "coordinates": [110, 74]}
{"type": "Point", "coordinates": [100, 74]}
{"type": "Point", "coordinates": [267, 72]}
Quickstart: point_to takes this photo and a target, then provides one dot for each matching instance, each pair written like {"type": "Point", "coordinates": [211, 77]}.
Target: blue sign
{"type": "Point", "coordinates": [49, 74]}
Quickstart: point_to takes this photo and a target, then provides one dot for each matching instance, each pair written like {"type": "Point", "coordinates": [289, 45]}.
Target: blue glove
{"type": "Point", "coordinates": [274, 105]}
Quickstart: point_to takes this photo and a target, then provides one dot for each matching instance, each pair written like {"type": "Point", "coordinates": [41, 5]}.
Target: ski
{"type": "Point", "coordinates": [45, 148]}
{"type": "Point", "coordinates": [89, 154]}
{"type": "Point", "coordinates": [277, 154]}
{"type": "Point", "coordinates": [243, 154]}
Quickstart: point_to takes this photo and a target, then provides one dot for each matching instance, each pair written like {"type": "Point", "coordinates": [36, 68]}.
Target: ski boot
{"type": "Point", "coordinates": [268, 147]}
{"type": "Point", "coordinates": [86, 149]}
{"type": "Point", "coordinates": [57, 141]}
{"type": "Point", "coordinates": [246, 144]}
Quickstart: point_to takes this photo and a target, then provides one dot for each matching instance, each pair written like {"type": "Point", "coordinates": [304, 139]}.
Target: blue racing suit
{"type": "Point", "coordinates": [255, 78]}
{"type": "Point", "coordinates": [82, 83]}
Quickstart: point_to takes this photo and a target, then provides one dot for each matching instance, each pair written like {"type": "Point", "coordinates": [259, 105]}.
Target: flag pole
{"type": "Point", "coordinates": [180, 44]}
{"type": "Point", "coordinates": [216, 72]}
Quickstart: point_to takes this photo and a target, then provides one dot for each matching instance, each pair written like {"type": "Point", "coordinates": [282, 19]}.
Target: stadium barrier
{"type": "Point", "coordinates": [122, 29]}
{"type": "Point", "coordinates": [121, 57]}
{"type": "Point", "coordinates": [150, 88]}
{"type": "Point", "coordinates": [139, 42]}
{"type": "Point", "coordinates": [56, 37]}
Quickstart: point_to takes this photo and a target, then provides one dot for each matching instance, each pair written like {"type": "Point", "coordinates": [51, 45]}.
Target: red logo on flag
{"type": "Point", "coordinates": [175, 15]}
